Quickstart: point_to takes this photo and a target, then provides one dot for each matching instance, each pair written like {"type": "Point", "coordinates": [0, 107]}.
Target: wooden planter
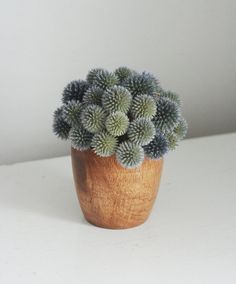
{"type": "Point", "coordinates": [111, 196]}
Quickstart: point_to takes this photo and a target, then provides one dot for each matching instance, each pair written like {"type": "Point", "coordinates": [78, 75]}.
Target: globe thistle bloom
{"type": "Point", "coordinates": [123, 73]}
{"type": "Point", "coordinates": [71, 112]}
{"type": "Point", "coordinates": [92, 74]}
{"type": "Point", "coordinates": [171, 96]}
{"type": "Point", "coordinates": [117, 123]}
{"type": "Point", "coordinates": [172, 141]}
{"type": "Point", "coordinates": [93, 118]}
{"type": "Point", "coordinates": [181, 129]}
{"type": "Point", "coordinates": [143, 106]}
{"type": "Point", "coordinates": [80, 138]}
{"type": "Point", "coordinates": [141, 84]}
{"type": "Point", "coordinates": [167, 115]}
{"type": "Point", "coordinates": [74, 91]}
{"type": "Point", "coordinates": [104, 79]}
{"type": "Point", "coordinates": [116, 99]}
{"type": "Point", "coordinates": [141, 131]}
{"type": "Point", "coordinates": [157, 148]}
{"type": "Point", "coordinates": [129, 155]}
{"type": "Point", "coordinates": [93, 96]}
{"type": "Point", "coordinates": [104, 144]}
{"type": "Point", "coordinates": [60, 127]}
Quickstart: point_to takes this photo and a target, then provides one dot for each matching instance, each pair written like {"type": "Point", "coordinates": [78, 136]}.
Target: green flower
{"type": "Point", "coordinates": [129, 155]}
{"type": "Point", "coordinates": [104, 144]}
{"type": "Point", "coordinates": [172, 141]}
{"type": "Point", "coordinates": [157, 148]}
{"type": "Point", "coordinates": [141, 131]}
{"type": "Point", "coordinates": [117, 123]}
{"type": "Point", "coordinates": [143, 106]}
{"type": "Point", "coordinates": [92, 74]}
{"type": "Point", "coordinates": [71, 112]}
{"type": "Point", "coordinates": [181, 129]}
{"type": "Point", "coordinates": [74, 91]}
{"type": "Point", "coordinates": [116, 99]}
{"type": "Point", "coordinates": [93, 118]}
{"type": "Point", "coordinates": [171, 96]}
{"type": "Point", "coordinates": [140, 84]}
{"type": "Point", "coordinates": [167, 115]}
{"type": "Point", "coordinates": [123, 73]}
{"type": "Point", "coordinates": [60, 127]}
{"type": "Point", "coordinates": [80, 138]}
{"type": "Point", "coordinates": [104, 79]}
{"type": "Point", "coordinates": [93, 96]}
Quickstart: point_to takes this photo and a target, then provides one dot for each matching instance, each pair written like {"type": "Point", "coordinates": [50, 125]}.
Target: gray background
{"type": "Point", "coordinates": [190, 45]}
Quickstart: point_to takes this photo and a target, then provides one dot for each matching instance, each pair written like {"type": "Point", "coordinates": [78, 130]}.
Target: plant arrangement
{"type": "Point", "coordinates": [123, 113]}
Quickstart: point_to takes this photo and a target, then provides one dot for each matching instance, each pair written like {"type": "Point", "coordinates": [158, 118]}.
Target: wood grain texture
{"type": "Point", "coordinates": [111, 196]}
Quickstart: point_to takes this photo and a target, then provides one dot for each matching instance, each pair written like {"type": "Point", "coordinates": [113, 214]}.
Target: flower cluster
{"type": "Point", "coordinates": [125, 113]}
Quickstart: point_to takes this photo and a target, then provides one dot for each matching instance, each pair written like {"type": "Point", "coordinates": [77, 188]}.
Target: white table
{"type": "Point", "coordinates": [189, 238]}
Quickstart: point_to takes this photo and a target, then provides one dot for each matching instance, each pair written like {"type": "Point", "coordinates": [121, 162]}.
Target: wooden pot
{"type": "Point", "coordinates": [111, 196]}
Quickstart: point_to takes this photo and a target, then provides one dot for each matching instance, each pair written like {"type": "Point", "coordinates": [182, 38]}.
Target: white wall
{"type": "Point", "coordinates": [189, 44]}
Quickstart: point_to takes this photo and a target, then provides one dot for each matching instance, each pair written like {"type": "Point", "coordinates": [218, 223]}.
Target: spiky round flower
{"type": "Point", "coordinates": [116, 99]}
{"type": "Point", "coordinates": [157, 148]}
{"type": "Point", "coordinates": [104, 79]}
{"type": "Point", "coordinates": [71, 112]}
{"type": "Point", "coordinates": [74, 91]}
{"type": "Point", "coordinates": [93, 96]}
{"type": "Point", "coordinates": [60, 127]}
{"type": "Point", "coordinates": [143, 106]}
{"type": "Point", "coordinates": [104, 144]}
{"type": "Point", "coordinates": [117, 123]}
{"type": "Point", "coordinates": [123, 73]}
{"type": "Point", "coordinates": [92, 74]}
{"type": "Point", "coordinates": [167, 115]}
{"type": "Point", "coordinates": [141, 131]}
{"type": "Point", "coordinates": [181, 129]}
{"type": "Point", "coordinates": [93, 118]}
{"type": "Point", "coordinates": [141, 84]}
{"type": "Point", "coordinates": [129, 155]}
{"type": "Point", "coordinates": [155, 83]}
{"type": "Point", "coordinates": [80, 138]}
{"type": "Point", "coordinates": [171, 96]}
{"type": "Point", "coordinates": [172, 141]}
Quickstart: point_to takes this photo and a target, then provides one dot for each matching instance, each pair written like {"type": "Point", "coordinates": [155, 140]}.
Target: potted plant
{"type": "Point", "coordinates": [120, 126]}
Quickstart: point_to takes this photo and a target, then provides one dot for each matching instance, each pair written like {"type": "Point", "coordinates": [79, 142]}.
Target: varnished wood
{"type": "Point", "coordinates": [111, 196]}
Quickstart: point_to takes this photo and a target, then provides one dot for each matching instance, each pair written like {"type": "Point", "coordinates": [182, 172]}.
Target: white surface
{"type": "Point", "coordinates": [190, 45]}
{"type": "Point", "coordinates": [189, 238]}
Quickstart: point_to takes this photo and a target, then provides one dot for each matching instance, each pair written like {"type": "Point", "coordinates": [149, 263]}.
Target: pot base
{"type": "Point", "coordinates": [114, 225]}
